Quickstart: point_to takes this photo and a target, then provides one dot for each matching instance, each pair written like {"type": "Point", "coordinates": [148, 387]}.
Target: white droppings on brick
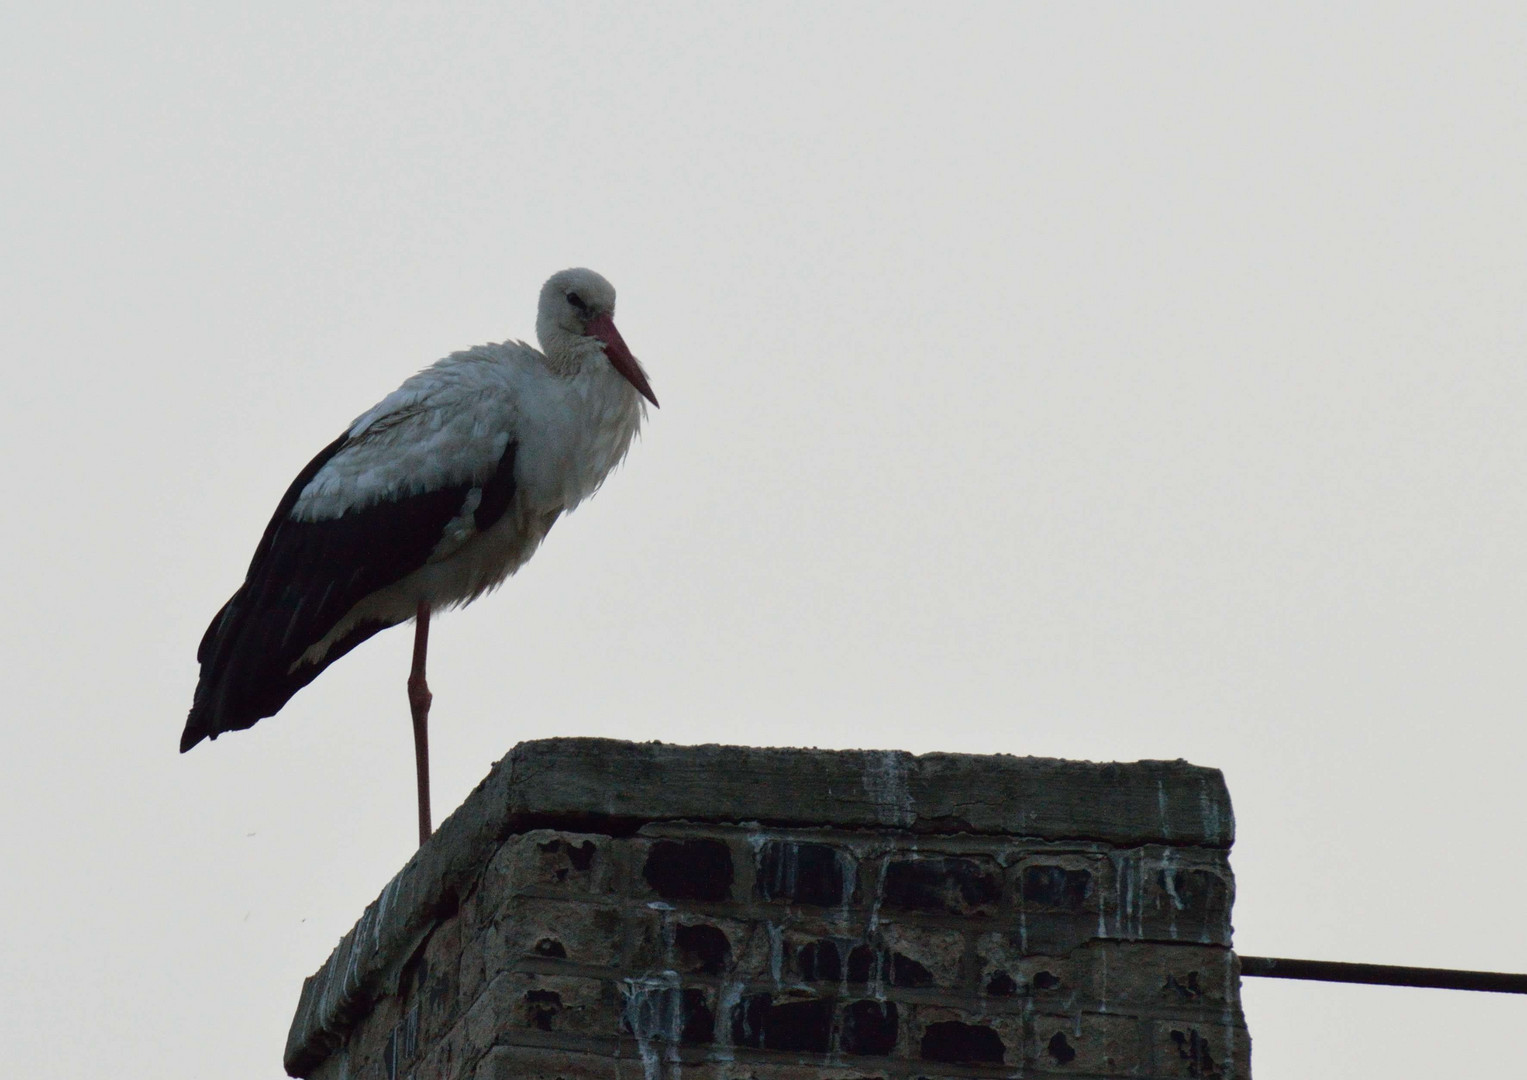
{"type": "Point", "coordinates": [1129, 919]}
{"type": "Point", "coordinates": [654, 1012]}
{"type": "Point", "coordinates": [1168, 870]}
{"type": "Point", "coordinates": [1163, 822]}
{"type": "Point", "coordinates": [885, 781]}
{"type": "Point", "coordinates": [789, 868]}
{"type": "Point", "coordinates": [727, 999]}
{"type": "Point", "coordinates": [877, 971]}
{"type": "Point", "coordinates": [383, 903]}
{"type": "Point", "coordinates": [848, 867]}
{"type": "Point", "coordinates": [1232, 989]}
{"type": "Point", "coordinates": [776, 952]}
{"type": "Point", "coordinates": [1208, 809]}
{"type": "Point", "coordinates": [873, 921]}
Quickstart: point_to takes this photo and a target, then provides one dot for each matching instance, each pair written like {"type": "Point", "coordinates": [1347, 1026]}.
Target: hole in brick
{"type": "Point", "coordinates": [690, 870]}
{"type": "Point", "coordinates": [1201, 892]}
{"type": "Point", "coordinates": [702, 948]}
{"type": "Point", "coordinates": [550, 947]}
{"type": "Point", "coordinates": [954, 1043]}
{"type": "Point", "coordinates": [865, 965]}
{"type": "Point", "coordinates": [908, 972]}
{"type": "Point", "coordinates": [1192, 1049]}
{"type": "Point", "coordinates": [952, 886]}
{"type": "Point", "coordinates": [1185, 988]}
{"type": "Point", "coordinates": [869, 1027]}
{"type": "Point", "coordinates": [1060, 1049]}
{"type": "Point", "coordinates": [803, 1026]}
{"type": "Point", "coordinates": [1044, 980]}
{"type": "Point", "coordinates": [1055, 887]}
{"type": "Point", "coordinates": [1001, 985]}
{"type": "Point", "coordinates": [668, 1013]}
{"type": "Point", "coordinates": [801, 873]}
{"type": "Point", "coordinates": [573, 857]}
{"type": "Point", "coordinates": [819, 961]}
{"type": "Point", "coordinates": [699, 1022]}
{"type": "Point", "coordinates": [541, 1008]}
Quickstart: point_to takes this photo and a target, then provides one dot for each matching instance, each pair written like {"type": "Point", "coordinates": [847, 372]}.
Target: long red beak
{"type": "Point", "coordinates": [603, 328]}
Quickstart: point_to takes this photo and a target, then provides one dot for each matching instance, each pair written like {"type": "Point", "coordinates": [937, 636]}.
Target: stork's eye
{"type": "Point", "coordinates": [577, 301]}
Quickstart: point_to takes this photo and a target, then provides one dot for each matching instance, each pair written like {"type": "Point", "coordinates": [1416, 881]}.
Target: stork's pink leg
{"type": "Point", "coordinates": [419, 698]}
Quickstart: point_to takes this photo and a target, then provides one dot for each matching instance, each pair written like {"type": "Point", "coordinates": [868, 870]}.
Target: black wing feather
{"type": "Point", "coordinates": [304, 578]}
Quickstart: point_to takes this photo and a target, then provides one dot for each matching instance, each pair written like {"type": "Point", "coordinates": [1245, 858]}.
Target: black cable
{"type": "Point", "coordinates": [1273, 967]}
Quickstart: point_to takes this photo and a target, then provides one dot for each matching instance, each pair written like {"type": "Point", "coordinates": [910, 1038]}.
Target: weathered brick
{"type": "Point", "coordinates": [1000, 984]}
{"type": "Point", "coordinates": [1190, 904]}
{"type": "Point", "coordinates": [1043, 977]}
{"type": "Point", "coordinates": [819, 960]}
{"type": "Point", "coordinates": [1204, 1051]}
{"type": "Point", "coordinates": [760, 950]}
{"type": "Point", "coordinates": [794, 1022]}
{"type": "Point", "coordinates": [870, 1028]}
{"type": "Point", "coordinates": [858, 1069]}
{"type": "Point", "coordinates": [1169, 894]}
{"type": "Point", "coordinates": [937, 1034]}
{"type": "Point", "coordinates": [661, 1009]}
{"type": "Point", "coordinates": [403, 1044]}
{"type": "Point", "coordinates": [534, 928]}
{"type": "Point", "coordinates": [471, 969]}
{"type": "Point", "coordinates": [534, 1063]}
{"type": "Point", "coordinates": [659, 938]}
{"type": "Point", "coordinates": [955, 1042]}
{"type": "Point", "coordinates": [562, 1003]}
{"type": "Point", "coordinates": [701, 948]}
{"type": "Point", "coordinates": [710, 950]}
{"type": "Point", "coordinates": [969, 887]}
{"type": "Point", "coordinates": [1088, 1043]}
{"type": "Point", "coordinates": [1188, 979]}
{"type": "Point", "coordinates": [547, 861]}
{"type": "Point", "coordinates": [490, 1013]}
{"type": "Point", "coordinates": [1057, 887]}
{"type": "Point", "coordinates": [369, 1042]}
{"type": "Point", "coordinates": [921, 956]}
{"type": "Point", "coordinates": [803, 872]}
{"type": "Point", "coordinates": [434, 988]}
{"type": "Point", "coordinates": [450, 1058]}
{"type": "Point", "coordinates": [694, 869]}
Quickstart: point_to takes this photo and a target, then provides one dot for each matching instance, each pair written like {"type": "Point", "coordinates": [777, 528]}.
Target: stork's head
{"type": "Point", "coordinates": [579, 304]}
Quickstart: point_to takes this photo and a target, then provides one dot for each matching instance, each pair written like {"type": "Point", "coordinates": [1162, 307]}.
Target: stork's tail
{"type": "Point", "coordinates": [198, 727]}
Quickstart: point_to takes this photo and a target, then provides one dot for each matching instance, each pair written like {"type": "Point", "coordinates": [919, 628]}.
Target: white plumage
{"type": "Point", "coordinates": [450, 424]}
{"type": "Point", "coordinates": [429, 499]}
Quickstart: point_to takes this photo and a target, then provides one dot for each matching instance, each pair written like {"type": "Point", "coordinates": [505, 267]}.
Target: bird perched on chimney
{"type": "Point", "coordinates": [427, 501]}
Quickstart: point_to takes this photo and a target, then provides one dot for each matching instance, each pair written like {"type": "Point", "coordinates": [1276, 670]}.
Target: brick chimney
{"type": "Point", "coordinates": [604, 910]}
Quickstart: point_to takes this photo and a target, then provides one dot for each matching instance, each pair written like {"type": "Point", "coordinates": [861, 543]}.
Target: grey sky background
{"type": "Point", "coordinates": [1136, 381]}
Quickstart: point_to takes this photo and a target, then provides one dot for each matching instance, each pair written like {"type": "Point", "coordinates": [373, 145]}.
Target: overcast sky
{"type": "Point", "coordinates": [1142, 381]}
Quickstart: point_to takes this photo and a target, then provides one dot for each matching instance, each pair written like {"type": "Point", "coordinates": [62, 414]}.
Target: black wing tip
{"type": "Point", "coordinates": [194, 733]}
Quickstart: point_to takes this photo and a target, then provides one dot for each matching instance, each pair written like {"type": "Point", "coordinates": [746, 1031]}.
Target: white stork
{"type": "Point", "coordinates": [427, 501]}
